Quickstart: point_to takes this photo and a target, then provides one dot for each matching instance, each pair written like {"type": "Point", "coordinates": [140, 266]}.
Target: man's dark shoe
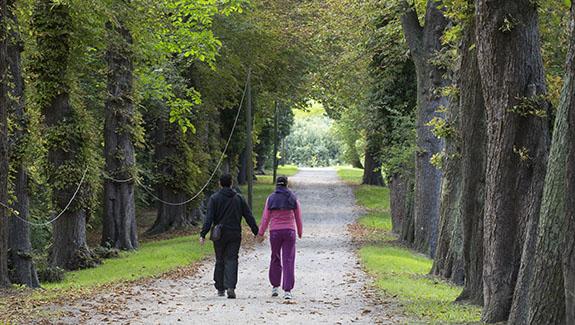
{"type": "Point", "coordinates": [231, 294]}
{"type": "Point", "coordinates": [221, 293]}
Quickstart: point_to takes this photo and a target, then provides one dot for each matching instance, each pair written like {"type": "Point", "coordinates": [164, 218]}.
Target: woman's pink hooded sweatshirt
{"type": "Point", "coordinates": [281, 219]}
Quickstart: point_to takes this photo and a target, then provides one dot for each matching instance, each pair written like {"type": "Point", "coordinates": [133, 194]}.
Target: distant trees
{"type": "Point", "coordinates": [312, 143]}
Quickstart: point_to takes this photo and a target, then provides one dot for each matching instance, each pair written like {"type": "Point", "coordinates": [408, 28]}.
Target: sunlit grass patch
{"type": "Point", "coordinates": [377, 220]}
{"type": "Point", "coordinates": [372, 197]}
{"type": "Point", "coordinates": [402, 273]}
{"type": "Point", "coordinates": [350, 175]}
{"type": "Point", "coordinates": [152, 259]}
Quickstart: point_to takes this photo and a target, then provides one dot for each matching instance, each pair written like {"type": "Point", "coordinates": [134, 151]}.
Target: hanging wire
{"type": "Point", "coordinates": [140, 183]}
{"type": "Point", "coordinates": [217, 166]}
{"type": "Point", "coordinates": [60, 214]}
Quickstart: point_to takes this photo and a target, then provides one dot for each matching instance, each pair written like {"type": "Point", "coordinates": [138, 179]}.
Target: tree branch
{"type": "Point", "coordinates": [412, 29]}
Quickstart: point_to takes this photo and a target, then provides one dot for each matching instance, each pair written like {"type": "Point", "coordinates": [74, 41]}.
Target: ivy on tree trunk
{"type": "Point", "coordinates": [119, 220]}
{"type": "Point", "coordinates": [24, 271]}
{"type": "Point", "coordinates": [4, 212]}
{"type": "Point", "coordinates": [66, 133]}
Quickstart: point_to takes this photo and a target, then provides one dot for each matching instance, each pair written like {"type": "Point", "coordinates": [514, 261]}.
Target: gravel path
{"type": "Point", "coordinates": [330, 285]}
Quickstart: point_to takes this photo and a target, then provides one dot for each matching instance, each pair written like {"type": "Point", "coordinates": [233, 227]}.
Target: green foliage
{"type": "Point", "coordinates": [531, 106]}
{"type": "Point", "coordinates": [442, 128]}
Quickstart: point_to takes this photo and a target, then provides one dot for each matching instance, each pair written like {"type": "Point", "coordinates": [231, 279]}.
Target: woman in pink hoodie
{"type": "Point", "coordinates": [283, 215]}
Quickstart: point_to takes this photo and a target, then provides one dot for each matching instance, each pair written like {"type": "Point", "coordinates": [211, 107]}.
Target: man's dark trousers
{"type": "Point", "coordinates": [227, 250]}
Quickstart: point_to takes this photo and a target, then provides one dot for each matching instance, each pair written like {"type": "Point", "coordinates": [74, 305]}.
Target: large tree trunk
{"type": "Point", "coordinates": [398, 188]}
{"type": "Point", "coordinates": [513, 83]}
{"type": "Point", "coordinates": [546, 303]}
{"type": "Point", "coordinates": [424, 42]}
{"type": "Point", "coordinates": [569, 246]}
{"type": "Point", "coordinates": [171, 154]}
{"type": "Point", "coordinates": [448, 259]}
{"type": "Point", "coordinates": [407, 224]}
{"type": "Point", "coordinates": [119, 224]}
{"type": "Point", "coordinates": [66, 152]}
{"type": "Point", "coordinates": [243, 168]}
{"type": "Point", "coordinates": [473, 162]}
{"type": "Point", "coordinates": [24, 271]}
{"type": "Point", "coordinates": [372, 171]}
{"type": "Point", "coordinates": [4, 212]}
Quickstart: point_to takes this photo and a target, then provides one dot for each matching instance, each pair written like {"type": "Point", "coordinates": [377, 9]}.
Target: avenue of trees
{"type": "Point", "coordinates": [110, 108]}
{"type": "Point", "coordinates": [467, 109]}
{"type": "Point", "coordinates": [463, 108]}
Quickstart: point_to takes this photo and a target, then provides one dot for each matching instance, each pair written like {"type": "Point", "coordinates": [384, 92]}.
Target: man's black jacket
{"type": "Point", "coordinates": [229, 206]}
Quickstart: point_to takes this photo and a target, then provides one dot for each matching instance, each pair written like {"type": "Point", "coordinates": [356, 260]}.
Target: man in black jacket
{"type": "Point", "coordinates": [226, 207]}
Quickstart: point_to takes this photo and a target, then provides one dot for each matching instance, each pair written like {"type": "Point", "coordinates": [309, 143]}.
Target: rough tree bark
{"type": "Point", "coordinates": [424, 42]}
{"type": "Point", "coordinates": [473, 163]}
{"type": "Point", "coordinates": [243, 168]}
{"type": "Point", "coordinates": [4, 212]}
{"type": "Point", "coordinates": [24, 271]}
{"type": "Point", "coordinates": [119, 220]}
{"type": "Point", "coordinates": [170, 151]}
{"type": "Point", "coordinates": [372, 171]}
{"type": "Point", "coordinates": [401, 203]}
{"type": "Point", "coordinates": [546, 303]}
{"type": "Point", "coordinates": [407, 224]}
{"type": "Point", "coordinates": [569, 246]}
{"type": "Point", "coordinates": [398, 195]}
{"type": "Point", "coordinates": [448, 259]}
{"type": "Point", "coordinates": [66, 149]}
{"type": "Point", "coordinates": [513, 84]}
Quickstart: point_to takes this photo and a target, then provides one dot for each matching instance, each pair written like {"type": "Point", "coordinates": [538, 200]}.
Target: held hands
{"type": "Point", "coordinates": [260, 239]}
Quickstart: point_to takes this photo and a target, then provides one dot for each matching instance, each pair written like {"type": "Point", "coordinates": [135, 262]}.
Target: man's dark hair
{"type": "Point", "coordinates": [282, 181]}
{"type": "Point", "coordinates": [226, 180]}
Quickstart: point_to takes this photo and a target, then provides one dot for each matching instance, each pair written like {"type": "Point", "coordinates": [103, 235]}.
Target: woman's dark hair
{"type": "Point", "coordinates": [282, 181]}
{"type": "Point", "coordinates": [226, 180]}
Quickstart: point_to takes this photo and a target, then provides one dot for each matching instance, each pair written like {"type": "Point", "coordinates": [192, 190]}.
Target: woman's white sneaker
{"type": "Point", "coordinates": [275, 291]}
{"type": "Point", "coordinates": [288, 295]}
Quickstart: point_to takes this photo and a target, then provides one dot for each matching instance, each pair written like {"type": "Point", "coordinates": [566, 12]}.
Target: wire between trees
{"type": "Point", "coordinates": [138, 181]}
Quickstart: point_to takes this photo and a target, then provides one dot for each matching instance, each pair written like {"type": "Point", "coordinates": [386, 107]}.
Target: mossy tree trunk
{"type": "Point", "coordinates": [4, 212]}
{"type": "Point", "coordinates": [24, 271]}
{"type": "Point", "coordinates": [171, 157]}
{"type": "Point", "coordinates": [66, 133]}
{"type": "Point", "coordinates": [119, 224]}
{"type": "Point", "coordinates": [513, 83]}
